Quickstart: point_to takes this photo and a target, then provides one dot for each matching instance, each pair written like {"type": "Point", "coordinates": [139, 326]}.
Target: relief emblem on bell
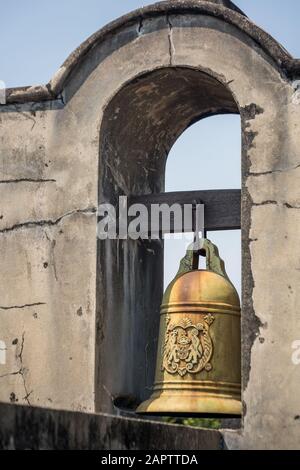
{"type": "Point", "coordinates": [187, 347]}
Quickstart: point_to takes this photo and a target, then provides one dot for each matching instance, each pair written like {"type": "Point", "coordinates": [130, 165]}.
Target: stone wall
{"type": "Point", "coordinates": [65, 346]}
{"type": "Point", "coordinates": [42, 429]}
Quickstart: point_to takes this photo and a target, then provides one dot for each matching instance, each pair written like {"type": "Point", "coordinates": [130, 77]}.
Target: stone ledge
{"type": "Point", "coordinates": [23, 427]}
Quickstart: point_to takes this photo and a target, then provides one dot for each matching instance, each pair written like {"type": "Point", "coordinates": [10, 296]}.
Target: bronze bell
{"type": "Point", "coordinates": [198, 368]}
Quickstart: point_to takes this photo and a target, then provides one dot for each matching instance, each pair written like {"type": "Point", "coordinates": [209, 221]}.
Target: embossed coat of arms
{"type": "Point", "coordinates": [188, 347]}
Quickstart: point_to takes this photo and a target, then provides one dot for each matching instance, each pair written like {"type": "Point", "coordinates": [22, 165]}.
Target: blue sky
{"type": "Point", "coordinates": [37, 36]}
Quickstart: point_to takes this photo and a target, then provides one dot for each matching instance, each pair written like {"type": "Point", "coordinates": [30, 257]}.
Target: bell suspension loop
{"type": "Point", "coordinates": [198, 242]}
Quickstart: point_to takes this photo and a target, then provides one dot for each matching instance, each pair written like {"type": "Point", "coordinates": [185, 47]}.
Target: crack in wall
{"type": "Point", "coordinates": [23, 371]}
{"type": "Point", "coordinates": [276, 203]}
{"type": "Point", "coordinates": [289, 206]}
{"type": "Point", "coordinates": [22, 306]}
{"type": "Point", "coordinates": [27, 180]}
{"type": "Point", "coordinates": [171, 43]}
{"type": "Point", "coordinates": [265, 203]}
{"type": "Point", "coordinates": [9, 374]}
{"type": "Point", "coordinates": [280, 170]}
{"type": "Point", "coordinates": [52, 254]}
{"type": "Point", "coordinates": [29, 117]}
{"type": "Point", "coordinates": [42, 223]}
{"type": "Point", "coordinates": [140, 26]}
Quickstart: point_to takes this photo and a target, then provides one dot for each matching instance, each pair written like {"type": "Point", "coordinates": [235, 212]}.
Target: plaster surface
{"type": "Point", "coordinates": [54, 310]}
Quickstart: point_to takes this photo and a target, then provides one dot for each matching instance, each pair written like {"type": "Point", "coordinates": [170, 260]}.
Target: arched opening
{"type": "Point", "coordinates": [139, 127]}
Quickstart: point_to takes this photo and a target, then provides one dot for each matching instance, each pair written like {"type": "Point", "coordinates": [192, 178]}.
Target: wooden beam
{"type": "Point", "coordinates": [222, 207]}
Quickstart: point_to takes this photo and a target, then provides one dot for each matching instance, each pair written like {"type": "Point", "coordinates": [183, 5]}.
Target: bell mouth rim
{"type": "Point", "coordinates": [168, 405]}
{"type": "Point", "coordinates": [190, 415]}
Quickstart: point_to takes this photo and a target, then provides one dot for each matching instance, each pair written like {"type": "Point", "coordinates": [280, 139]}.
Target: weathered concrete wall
{"type": "Point", "coordinates": [48, 259]}
{"type": "Point", "coordinates": [60, 337]}
{"type": "Point", "coordinates": [42, 429]}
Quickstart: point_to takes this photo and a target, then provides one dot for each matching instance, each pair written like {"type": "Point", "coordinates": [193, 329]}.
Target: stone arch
{"type": "Point", "coordinates": [81, 63]}
{"type": "Point", "coordinates": [140, 125]}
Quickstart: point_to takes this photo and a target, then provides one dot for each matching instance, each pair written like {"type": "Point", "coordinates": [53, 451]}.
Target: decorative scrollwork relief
{"type": "Point", "coordinates": [188, 347]}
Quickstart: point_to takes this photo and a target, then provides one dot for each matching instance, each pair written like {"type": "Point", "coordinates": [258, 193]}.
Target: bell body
{"type": "Point", "coordinates": [198, 367]}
